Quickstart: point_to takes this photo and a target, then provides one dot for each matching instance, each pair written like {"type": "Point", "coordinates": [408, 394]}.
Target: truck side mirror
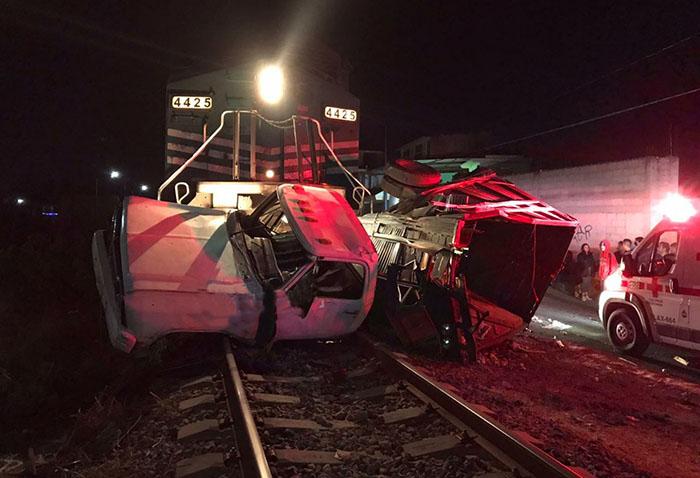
{"type": "Point", "coordinates": [673, 285]}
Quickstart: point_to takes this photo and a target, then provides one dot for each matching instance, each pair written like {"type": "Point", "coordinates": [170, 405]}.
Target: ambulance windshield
{"type": "Point", "coordinates": [657, 255]}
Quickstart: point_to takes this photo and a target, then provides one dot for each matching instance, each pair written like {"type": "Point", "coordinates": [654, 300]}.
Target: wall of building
{"type": "Point", "coordinates": [612, 201]}
{"type": "Point", "coordinates": [444, 145]}
{"type": "Point", "coordinates": [416, 149]}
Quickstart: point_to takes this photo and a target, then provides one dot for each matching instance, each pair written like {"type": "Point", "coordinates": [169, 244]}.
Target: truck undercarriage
{"type": "Point", "coordinates": [464, 264]}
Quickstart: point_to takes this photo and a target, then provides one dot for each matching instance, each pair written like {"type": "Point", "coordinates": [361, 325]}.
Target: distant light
{"type": "Point", "coordinates": [681, 360]}
{"type": "Point", "coordinates": [20, 201]}
{"type": "Point", "coordinates": [52, 214]}
{"type": "Point", "coordinates": [114, 174]}
{"type": "Point", "coordinates": [269, 174]}
{"type": "Point", "coordinates": [144, 188]}
{"type": "Point", "coordinates": [676, 207]}
{"type": "Point", "coordinates": [270, 83]}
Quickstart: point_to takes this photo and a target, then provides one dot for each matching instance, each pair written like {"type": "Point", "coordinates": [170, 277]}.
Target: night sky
{"type": "Point", "coordinates": [83, 83]}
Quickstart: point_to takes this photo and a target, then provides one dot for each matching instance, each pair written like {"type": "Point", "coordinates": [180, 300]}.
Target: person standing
{"type": "Point", "coordinates": [637, 240]}
{"type": "Point", "coordinates": [627, 246]}
{"type": "Point", "coordinates": [620, 251]}
{"type": "Point", "coordinates": [608, 263]}
{"type": "Point", "coordinates": [586, 265]}
{"type": "Point", "coordinates": [567, 275]}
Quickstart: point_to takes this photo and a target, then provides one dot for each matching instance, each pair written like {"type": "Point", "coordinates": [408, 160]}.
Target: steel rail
{"type": "Point", "coordinates": [252, 455]}
{"type": "Point", "coordinates": [533, 459]}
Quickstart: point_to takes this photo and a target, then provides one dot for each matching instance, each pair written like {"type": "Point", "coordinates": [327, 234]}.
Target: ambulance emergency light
{"type": "Point", "coordinates": [676, 208]}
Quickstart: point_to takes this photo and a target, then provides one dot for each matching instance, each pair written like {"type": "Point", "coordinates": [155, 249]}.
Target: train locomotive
{"type": "Point", "coordinates": [258, 239]}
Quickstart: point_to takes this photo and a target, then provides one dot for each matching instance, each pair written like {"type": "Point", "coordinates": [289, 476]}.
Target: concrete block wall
{"type": "Point", "coordinates": [612, 201]}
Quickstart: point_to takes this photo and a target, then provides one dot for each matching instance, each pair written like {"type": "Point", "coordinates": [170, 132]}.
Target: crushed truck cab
{"type": "Point", "coordinates": [463, 264]}
{"type": "Point", "coordinates": [298, 266]}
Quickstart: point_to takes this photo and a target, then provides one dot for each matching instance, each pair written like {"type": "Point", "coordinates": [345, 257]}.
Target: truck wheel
{"type": "Point", "coordinates": [626, 334]}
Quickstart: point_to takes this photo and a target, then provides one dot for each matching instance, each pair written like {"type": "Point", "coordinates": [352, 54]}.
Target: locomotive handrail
{"type": "Point", "coordinates": [196, 154]}
{"type": "Point", "coordinates": [277, 124]}
{"type": "Point", "coordinates": [348, 174]}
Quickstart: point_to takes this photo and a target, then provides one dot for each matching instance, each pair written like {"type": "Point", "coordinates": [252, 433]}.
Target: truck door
{"type": "Point", "coordinates": [688, 333]}
{"type": "Point", "coordinates": [658, 283]}
{"type": "Point", "coordinates": [324, 299]}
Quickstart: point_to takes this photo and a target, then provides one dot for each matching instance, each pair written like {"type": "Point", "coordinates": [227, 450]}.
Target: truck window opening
{"type": "Point", "coordinates": [272, 245]}
{"type": "Point", "coordinates": [330, 279]}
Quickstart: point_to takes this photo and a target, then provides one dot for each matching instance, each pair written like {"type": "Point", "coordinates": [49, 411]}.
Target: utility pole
{"type": "Point", "coordinates": [253, 147]}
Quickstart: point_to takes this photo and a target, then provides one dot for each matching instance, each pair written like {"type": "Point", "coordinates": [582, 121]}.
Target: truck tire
{"type": "Point", "coordinates": [626, 334]}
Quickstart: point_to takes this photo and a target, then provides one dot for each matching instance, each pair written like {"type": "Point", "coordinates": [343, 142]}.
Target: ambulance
{"type": "Point", "coordinates": [654, 296]}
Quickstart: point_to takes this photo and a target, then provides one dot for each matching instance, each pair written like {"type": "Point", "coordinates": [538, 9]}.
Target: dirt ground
{"type": "Point", "coordinates": [590, 409]}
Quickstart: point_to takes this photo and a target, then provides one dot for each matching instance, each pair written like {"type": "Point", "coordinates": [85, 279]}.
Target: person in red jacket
{"type": "Point", "coordinates": [608, 262]}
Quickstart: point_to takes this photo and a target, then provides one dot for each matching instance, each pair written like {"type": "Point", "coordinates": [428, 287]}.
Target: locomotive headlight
{"type": "Point", "coordinates": [270, 84]}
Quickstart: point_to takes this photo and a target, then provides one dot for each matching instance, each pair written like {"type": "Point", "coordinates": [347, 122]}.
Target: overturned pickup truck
{"type": "Point", "coordinates": [463, 265]}
{"type": "Point", "coordinates": [297, 266]}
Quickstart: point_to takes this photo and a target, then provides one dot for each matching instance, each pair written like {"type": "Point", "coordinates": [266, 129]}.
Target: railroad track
{"type": "Point", "coordinates": [354, 408]}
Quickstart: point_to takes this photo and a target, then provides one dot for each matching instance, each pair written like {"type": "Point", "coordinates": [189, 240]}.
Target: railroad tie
{"type": "Point", "coordinates": [374, 392]}
{"type": "Point", "coordinates": [305, 424]}
{"type": "Point", "coordinates": [201, 466]}
{"type": "Point", "coordinates": [207, 380]}
{"type": "Point", "coordinates": [498, 474]}
{"type": "Point", "coordinates": [320, 457]}
{"type": "Point", "coordinates": [403, 414]}
{"type": "Point", "coordinates": [456, 422]}
{"type": "Point", "coordinates": [317, 457]}
{"type": "Point", "coordinates": [254, 377]}
{"type": "Point", "coordinates": [201, 401]}
{"type": "Point", "coordinates": [337, 424]}
{"type": "Point", "coordinates": [433, 445]}
{"type": "Point", "coordinates": [300, 424]}
{"type": "Point", "coordinates": [276, 398]}
{"type": "Point", "coordinates": [362, 372]}
{"type": "Point", "coordinates": [200, 430]}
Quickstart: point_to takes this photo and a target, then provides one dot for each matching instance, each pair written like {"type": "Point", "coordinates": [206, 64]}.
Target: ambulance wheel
{"type": "Point", "coordinates": [626, 334]}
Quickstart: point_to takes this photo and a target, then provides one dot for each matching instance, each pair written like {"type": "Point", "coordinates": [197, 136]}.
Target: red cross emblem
{"type": "Point", "coordinates": [654, 287]}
